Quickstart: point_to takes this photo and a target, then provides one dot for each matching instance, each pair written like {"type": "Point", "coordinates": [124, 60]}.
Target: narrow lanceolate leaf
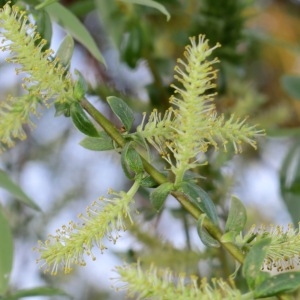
{"type": "Point", "coordinates": [237, 216]}
{"type": "Point", "coordinates": [38, 291]}
{"type": "Point", "coordinates": [122, 111]}
{"type": "Point", "coordinates": [81, 86]}
{"type": "Point", "coordinates": [151, 3]}
{"type": "Point", "coordinates": [254, 262]}
{"type": "Point", "coordinates": [81, 120]}
{"type": "Point", "coordinates": [62, 109]}
{"type": "Point", "coordinates": [6, 253]}
{"type": "Point", "coordinates": [44, 4]}
{"type": "Point", "coordinates": [148, 181]}
{"type": "Point", "coordinates": [200, 199]}
{"type": "Point", "coordinates": [44, 26]}
{"type": "Point", "coordinates": [65, 51]}
{"type": "Point", "coordinates": [291, 84]}
{"type": "Point", "coordinates": [101, 143]}
{"type": "Point", "coordinates": [228, 237]}
{"type": "Point", "coordinates": [290, 181]}
{"type": "Point", "coordinates": [134, 161]}
{"type": "Point", "coordinates": [16, 191]}
{"type": "Point", "coordinates": [160, 194]}
{"type": "Point", "coordinates": [205, 237]}
{"type": "Point", "coordinates": [74, 27]}
{"type": "Point", "coordinates": [131, 161]}
{"type": "Point", "coordinates": [281, 283]}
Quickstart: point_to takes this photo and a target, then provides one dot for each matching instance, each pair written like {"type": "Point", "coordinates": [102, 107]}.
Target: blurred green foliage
{"type": "Point", "coordinates": [256, 63]}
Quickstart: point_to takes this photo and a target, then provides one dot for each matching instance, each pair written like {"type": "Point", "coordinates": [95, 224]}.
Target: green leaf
{"type": "Point", "coordinates": [81, 120]}
{"type": "Point", "coordinates": [44, 4]}
{"type": "Point", "coordinates": [200, 199]}
{"type": "Point", "coordinates": [132, 45]}
{"type": "Point", "coordinates": [44, 26]}
{"type": "Point", "coordinates": [101, 143]}
{"type": "Point", "coordinates": [290, 182]}
{"type": "Point", "coordinates": [237, 216]}
{"type": "Point", "coordinates": [6, 253]}
{"type": "Point", "coordinates": [122, 111]}
{"type": "Point", "coordinates": [205, 237]}
{"type": "Point", "coordinates": [72, 24]}
{"type": "Point", "coordinates": [108, 11]}
{"type": "Point", "coordinates": [65, 51]}
{"type": "Point", "coordinates": [129, 174]}
{"type": "Point", "coordinates": [291, 85]}
{"type": "Point", "coordinates": [16, 191]}
{"type": "Point", "coordinates": [131, 161]}
{"type": "Point", "coordinates": [62, 109]}
{"type": "Point", "coordinates": [281, 283]}
{"type": "Point", "coordinates": [228, 237]}
{"type": "Point", "coordinates": [254, 261]}
{"type": "Point", "coordinates": [81, 86]}
{"type": "Point", "coordinates": [160, 194]}
{"type": "Point", "coordinates": [140, 140]}
{"type": "Point", "coordinates": [134, 161]}
{"type": "Point", "coordinates": [151, 3]}
{"type": "Point", "coordinates": [3, 2]}
{"type": "Point", "coordinates": [148, 181]}
{"type": "Point", "coordinates": [38, 291]}
{"type": "Point", "coordinates": [82, 8]}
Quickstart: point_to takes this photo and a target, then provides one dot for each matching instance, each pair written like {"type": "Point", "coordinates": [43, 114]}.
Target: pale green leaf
{"type": "Point", "coordinates": [237, 216]}
{"type": "Point", "coordinates": [228, 237]}
{"type": "Point", "coordinates": [148, 181]}
{"type": "Point", "coordinates": [101, 143]}
{"type": "Point", "coordinates": [38, 291]}
{"type": "Point", "coordinates": [200, 199]}
{"type": "Point", "coordinates": [75, 28]}
{"type": "Point", "coordinates": [254, 261]}
{"type": "Point", "coordinates": [44, 26]}
{"type": "Point", "coordinates": [205, 237]}
{"type": "Point", "coordinates": [44, 4]}
{"type": "Point", "coordinates": [151, 3]}
{"type": "Point", "coordinates": [65, 51]}
{"type": "Point", "coordinates": [281, 283]}
{"type": "Point", "coordinates": [131, 161]}
{"type": "Point", "coordinates": [290, 181]}
{"type": "Point", "coordinates": [291, 84]}
{"type": "Point", "coordinates": [15, 190]}
{"type": "Point", "coordinates": [160, 194]}
{"type": "Point", "coordinates": [122, 111]}
{"type": "Point", "coordinates": [82, 121]}
{"type": "Point", "coordinates": [81, 86]}
{"type": "Point", "coordinates": [6, 253]}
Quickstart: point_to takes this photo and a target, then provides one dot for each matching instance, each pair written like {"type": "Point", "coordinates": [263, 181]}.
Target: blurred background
{"type": "Point", "coordinates": [259, 78]}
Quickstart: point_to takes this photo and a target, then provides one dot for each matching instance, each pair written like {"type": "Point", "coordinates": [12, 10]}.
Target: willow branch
{"type": "Point", "coordinates": [113, 132]}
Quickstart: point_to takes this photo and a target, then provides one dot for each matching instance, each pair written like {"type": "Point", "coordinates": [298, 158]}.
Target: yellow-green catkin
{"type": "Point", "coordinates": [197, 124]}
{"type": "Point", "coordinates": [192, 125]}
{"type": "Point", "coordinates": [283, 253]}
{"type": "Point", "coordinates": [45, 79]}
{"type": "Point", "coordinates": [157, 283]}
{"type": "Point", "coordinates": [193, 104]}
{"type": "Point", "coordinates": [73, 242]}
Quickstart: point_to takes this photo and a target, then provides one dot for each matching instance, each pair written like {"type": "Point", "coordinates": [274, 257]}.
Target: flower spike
{"type": "Point", "coordinates": [104, 218]}
{"type": "Point", "coordinates": [157, 283]}
{"type": "Point", "coordinates": [194, 124]}
{"type": "Point", "coordinates": [46, 80]}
